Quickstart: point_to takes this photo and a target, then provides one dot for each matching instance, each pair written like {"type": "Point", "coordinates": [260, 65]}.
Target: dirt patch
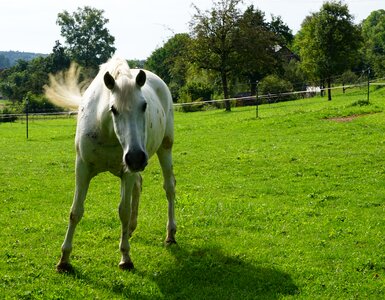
{"type": "Point", "coordinates": [343, 119]}
{"type": "Point", "coordinates": [347, 119]}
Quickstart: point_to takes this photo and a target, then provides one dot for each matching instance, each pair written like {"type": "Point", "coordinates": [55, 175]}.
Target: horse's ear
{"type": "Point", "coordinates": [141, 78]}
{"type": "Point", "coordinates": [109, 81]}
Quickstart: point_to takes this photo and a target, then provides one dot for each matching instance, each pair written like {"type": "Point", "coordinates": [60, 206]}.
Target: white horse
{"type": "Point", "coordinates": [125, 116]}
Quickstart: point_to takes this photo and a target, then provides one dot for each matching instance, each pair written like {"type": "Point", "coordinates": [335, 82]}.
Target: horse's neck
{"type": "Point", "coordinates": [104, 119]}
{"type": "Point", "coordinates": [97, 110]}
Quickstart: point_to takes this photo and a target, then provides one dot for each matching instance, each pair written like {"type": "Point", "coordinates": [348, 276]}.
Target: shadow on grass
{"type": "Point", "coordinates": [203, 273]}
{"type": "Point", "coordinates": [118, 286]}
{"type": "Point", "coordinates": [210, 274]}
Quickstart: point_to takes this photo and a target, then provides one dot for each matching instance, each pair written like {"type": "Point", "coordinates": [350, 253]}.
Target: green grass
{"type": "Point", "coordinates": [289, 205]}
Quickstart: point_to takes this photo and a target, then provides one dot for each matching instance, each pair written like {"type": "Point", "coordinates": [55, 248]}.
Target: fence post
{"type": "Point", "coordinates": [26, 114]}
{"type": "Point", "coordinates": [368, 84]}
{"type": "Point", "coordinates": [256, 97]}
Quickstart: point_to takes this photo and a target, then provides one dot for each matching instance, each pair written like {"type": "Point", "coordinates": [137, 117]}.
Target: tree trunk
{"type": "Point", "coordinates": [226, 91]}
{"type": "Point", "coordinates": [329, 89]}
{"type": "Point", "coordinates": [253, 88]}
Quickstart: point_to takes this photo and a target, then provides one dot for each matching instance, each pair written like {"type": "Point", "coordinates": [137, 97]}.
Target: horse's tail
{"type": "Point", "coordinates": [64, 89]}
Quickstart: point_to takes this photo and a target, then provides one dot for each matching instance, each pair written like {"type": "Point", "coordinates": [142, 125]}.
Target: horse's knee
{"type": "Point", "coordinates": [75, 217]}
{"type": "Point", "coordinates": [131, 228]}
{"type": "Point", "coordinates": [169, 185]}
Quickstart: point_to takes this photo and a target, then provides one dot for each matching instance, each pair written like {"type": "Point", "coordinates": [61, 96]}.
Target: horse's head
{"type": "Point", "coordinates": [128, 109]}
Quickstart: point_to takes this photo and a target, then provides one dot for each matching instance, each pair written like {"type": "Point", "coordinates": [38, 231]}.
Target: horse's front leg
{"type": "Point", "coordinates": [127, 185]}
{"type": "Point", "coordinates": [83, 178]}
{"type": "Point", "coordinates": [165, 160]}
{"type": "Point", "coordinates": [137, 189]}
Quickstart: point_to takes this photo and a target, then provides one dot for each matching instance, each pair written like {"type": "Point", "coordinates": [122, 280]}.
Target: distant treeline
{"type": "Point", "coordinates": [9, 58]}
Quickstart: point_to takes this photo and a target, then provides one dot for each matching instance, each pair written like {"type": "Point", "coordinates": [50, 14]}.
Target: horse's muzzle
{"type": "Point", "coordinates": [136, 160]}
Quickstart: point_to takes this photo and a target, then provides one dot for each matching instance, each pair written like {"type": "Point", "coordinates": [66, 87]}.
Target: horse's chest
{"type": "Point", "coordinates": [101, 155]}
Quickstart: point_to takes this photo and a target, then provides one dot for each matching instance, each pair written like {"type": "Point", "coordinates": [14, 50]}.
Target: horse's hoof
{"type": "Point", "coordinates": [170, 242]}
{"type": "Point", "coordinates": [128, 265]}
{"type": "Point", "coordinates": [64, 267]}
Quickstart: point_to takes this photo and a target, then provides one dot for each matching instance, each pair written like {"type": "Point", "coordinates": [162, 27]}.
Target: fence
{"type": "Point", "coordinates": [237, 101]}
{"type": "Point", "coordinates": [273, 98]}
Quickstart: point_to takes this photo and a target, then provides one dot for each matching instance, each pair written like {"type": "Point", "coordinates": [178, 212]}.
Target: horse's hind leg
{"type": "Point", "coordinates": [165, 159]}
{"type": "Point", "coordinates": [135, 204]}
{"type": "Point", "coordinates": [83, 178]}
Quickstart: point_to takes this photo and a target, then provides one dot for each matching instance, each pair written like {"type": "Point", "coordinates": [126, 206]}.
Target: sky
{"type": "Point", "coordinates": [139, 26]}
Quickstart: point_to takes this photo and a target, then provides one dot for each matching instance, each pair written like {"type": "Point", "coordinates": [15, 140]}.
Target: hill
{"type": "Point", "coordinates": [9, 58]}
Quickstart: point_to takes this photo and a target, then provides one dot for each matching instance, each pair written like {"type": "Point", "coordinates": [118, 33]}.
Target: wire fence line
{"type": "Point", "coordinates": [304, 94]}
{"type": "Point", "coordinates": [241, 101]}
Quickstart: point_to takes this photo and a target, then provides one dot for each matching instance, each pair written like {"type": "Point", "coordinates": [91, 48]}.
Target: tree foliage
{"type": "Point", "coordinates": [328, 42]}
{"type": "Point", "coordinates": [225, 50]}
{"type": "Point", "coordinates": [214, 33]}
{"type": "Point", "coordinates": [255, 47]}
{"type": "Point", "coordinates": [87, 37]}
{"type": "Point", "coordinates": [30, 76]}
{"type": "Point", "coordinates": [373, 31]}
{"type": "Point", "coordinates": [272, 84]}
{"type": "Point", "coordinates": [171, 62]}
{"type": "Point", "coordinates": [4, 62]}
{"type": "Point", "coordinates": [282, 30]}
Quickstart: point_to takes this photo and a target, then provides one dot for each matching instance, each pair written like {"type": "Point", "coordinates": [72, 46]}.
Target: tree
{"type": "Point", "coordinates": [30, 76]}
{"type": "Point", "coordinates": [14, 81]}
{"type": "Point", "coordinates": [171, 62]}
{"type": "Point", "coordinates": [282, 31]}
{"type": "Point", "coordinates": [328, 42]}
{"type": "Point", "coordinates": [254, 45]}
{"type": "Point", "coordinates": [213, 34]}
{"type": "Point", "coordinates": [89, 41]}
{"type": "Point", "coordinates": [373, 31]}
{"type": "Point", "coordinates": [4, 62]}
{"type": "Point", "coordinates": [136, 63]}
{"type": "Point", "coordinates": [59, 59]}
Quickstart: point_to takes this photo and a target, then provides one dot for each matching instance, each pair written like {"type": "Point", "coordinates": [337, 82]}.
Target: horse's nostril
{"type": "Point", "coordinates": [136, 160]}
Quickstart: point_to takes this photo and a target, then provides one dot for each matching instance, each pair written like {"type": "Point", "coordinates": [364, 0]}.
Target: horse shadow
{"type": "Point", "coordinates": [211, 274]}
{"type": "Point", "coordinates": [207, 273]}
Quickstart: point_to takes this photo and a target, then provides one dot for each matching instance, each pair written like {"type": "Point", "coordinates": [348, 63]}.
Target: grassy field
{"type": "Point", "coordinates": [289, 205]}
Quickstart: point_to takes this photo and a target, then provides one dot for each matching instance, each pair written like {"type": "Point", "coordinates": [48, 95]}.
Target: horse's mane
{"type": "Point", "coordinates": [121, 72]}
{"type": "Point", "coordinates": [115, 66]}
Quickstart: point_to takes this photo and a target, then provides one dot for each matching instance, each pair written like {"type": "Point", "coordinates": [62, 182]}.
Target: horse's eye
{"type": "Point", "coordinates": [144, 107]}
{"type": "Point", "coordinates": [113, 110]}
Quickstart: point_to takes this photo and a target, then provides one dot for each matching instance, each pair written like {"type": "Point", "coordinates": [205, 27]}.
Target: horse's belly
{"type": "Point", "coordinates": [154, 141]}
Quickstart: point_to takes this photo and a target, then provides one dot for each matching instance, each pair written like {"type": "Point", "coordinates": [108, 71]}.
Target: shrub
{"type": "Point", "coordinates": [39, 104]}
{"type": "Point", "coordinates": [360, 103]}
{"type": "Point", "coordinates": [187, 105]}
{"type": "Point", "coordinates": [195, 92]}
{"type": "Point", "coordinates": [275, 86]}
{"type": "Point", "coordinates": [7, 116]}
{"type": "Point", "coordinates": [349, 77]}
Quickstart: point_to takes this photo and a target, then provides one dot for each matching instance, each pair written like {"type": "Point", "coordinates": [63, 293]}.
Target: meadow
{"type": "Point", "coordinates": [287, 205]}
